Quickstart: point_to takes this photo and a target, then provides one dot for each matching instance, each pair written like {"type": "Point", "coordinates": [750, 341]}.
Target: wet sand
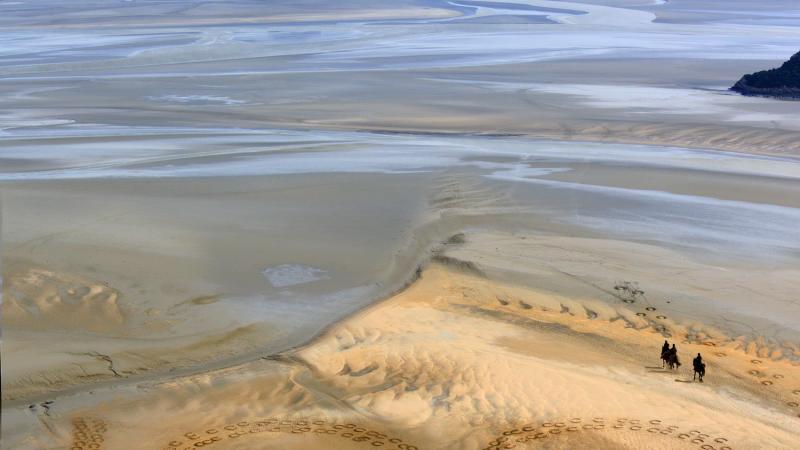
{"type": "Point", "coordinates": [421, 224]}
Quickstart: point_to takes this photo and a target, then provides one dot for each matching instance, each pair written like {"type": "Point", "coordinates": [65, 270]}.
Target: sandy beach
{"type": "Point", "coordinates": [410, 224]}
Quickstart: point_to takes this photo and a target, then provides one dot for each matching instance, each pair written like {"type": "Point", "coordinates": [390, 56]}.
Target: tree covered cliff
{"type": "Point", "coordinates": [782, 82]}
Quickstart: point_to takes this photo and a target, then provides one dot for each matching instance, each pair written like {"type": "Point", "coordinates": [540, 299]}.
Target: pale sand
{"type": "Point", "coordinates": [460, 361]}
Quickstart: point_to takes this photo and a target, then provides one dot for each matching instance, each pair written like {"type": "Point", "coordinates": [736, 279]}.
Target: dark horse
{"type": "Point", "coordinates": [699, 371]}
{"type": "Point", "coordinates": [699, 368]}
{"type": "Point", "coordinates": [670, 359]}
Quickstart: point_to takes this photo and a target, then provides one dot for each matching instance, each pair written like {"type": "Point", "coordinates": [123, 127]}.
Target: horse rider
{"type": "Point", "coordinates": [699, 366]}
{"type": "Point", "coordinates": [673, 353]}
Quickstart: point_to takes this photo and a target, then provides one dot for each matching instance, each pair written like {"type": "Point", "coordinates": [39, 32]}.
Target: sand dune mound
{"type": "Point", "coordinates": [450, 351]}
{"type": "Point", "coordinates": [39, 299]}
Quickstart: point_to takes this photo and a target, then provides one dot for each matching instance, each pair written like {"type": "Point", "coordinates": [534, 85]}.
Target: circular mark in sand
{"type": "Point", "coordinates": [777, 376]}
{"type": "Point", "coordinates": [710, 344]}
{"type": "Point", "coordinates": [629, 301]}
{"type": "Point", "coordinates": [655, 427]}
{"type": "Point", "coordinates": [292, 427]}
{"type": "Point", "coordinates": [755, 361]}
{"type": "Point", "coordinates": [650, 308]}
{"type": "Point", "coordinates": [661, 317]}
{"type": "Point", "coordinates": [85, 438]}
{"type": "Point", "coordinates": [720, 354]}
{"type": "Point", "coordinates": [766, 383]}
{"type": "Point", "coordinates": [793, 404]}
{"type": "Point", "coordinates": [641, 314]}
{"type": "Point", "coordinates": [754, 373]}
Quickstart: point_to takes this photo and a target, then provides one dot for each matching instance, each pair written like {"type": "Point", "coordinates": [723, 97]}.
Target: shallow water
{"type": "Point", "coordinates": [730, 204]}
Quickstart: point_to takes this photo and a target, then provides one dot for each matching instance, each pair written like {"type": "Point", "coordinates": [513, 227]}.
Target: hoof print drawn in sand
{"type": "Point", "coordinates": [628, 292]}
{"type": "Point", "coordinates": [87, 434]}
{"type": "Point", "coordinates": [319, 428]}
{"type": "Point", "coordinates": [554, 430]}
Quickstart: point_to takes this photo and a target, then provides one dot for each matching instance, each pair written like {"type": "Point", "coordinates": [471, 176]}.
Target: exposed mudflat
{"type": "Point", "coordinates": [399, 224]}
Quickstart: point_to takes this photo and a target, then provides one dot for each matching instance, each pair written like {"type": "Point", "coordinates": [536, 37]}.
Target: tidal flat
{"type": "Point", "coordinates": [401, 224]}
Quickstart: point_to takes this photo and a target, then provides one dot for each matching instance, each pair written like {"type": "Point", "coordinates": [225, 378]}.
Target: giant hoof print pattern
{"type": "Point", "coordinates": [531, 433]}
{"type": "Point", "coordinates": [631, 294]}
{"type": "Point", "coordinates": [358, 436]}
{"type": "Point", "coordinates": [776, 378]}
{"type": "Point", "coordinates": [87, 434]}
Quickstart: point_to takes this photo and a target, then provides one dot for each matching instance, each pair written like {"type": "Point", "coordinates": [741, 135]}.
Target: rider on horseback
{"type": "Point", "coordinates": [664, 353]}
{"type": "Point", "coordinates": [699, 367]}
{"type": "Point", "coordinates": [672, 357]}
